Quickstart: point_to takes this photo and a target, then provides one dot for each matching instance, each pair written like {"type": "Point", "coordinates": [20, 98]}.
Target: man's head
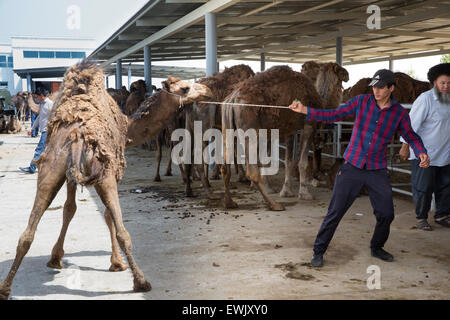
{"type": "Point", "coordinates": [383, 84]}
{"type": "Point", "coordinates": [41, 94]}
{"type": "Point", "coordinates": [439, 76]}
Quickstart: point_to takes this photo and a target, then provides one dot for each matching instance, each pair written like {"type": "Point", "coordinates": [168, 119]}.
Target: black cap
{"type": "Point", "coordinates": [382, 78]}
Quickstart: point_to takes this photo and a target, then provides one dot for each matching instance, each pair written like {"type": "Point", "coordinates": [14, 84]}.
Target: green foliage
{"type": "Point", "coordinates": [5, 94]}
{"type": "Point", "coordinates": [445, 58]}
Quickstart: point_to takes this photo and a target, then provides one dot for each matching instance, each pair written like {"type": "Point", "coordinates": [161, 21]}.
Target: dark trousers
{"type": "Point", "coordinates": [425, 182]}
{"type": "Point", "coordinates": [33, 118]}
{"type": "Point", "coordinates": [348, 184]}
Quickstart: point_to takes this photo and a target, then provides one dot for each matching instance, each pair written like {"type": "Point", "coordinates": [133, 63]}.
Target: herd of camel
{"type": "Point", "coordinates": [91, 126]}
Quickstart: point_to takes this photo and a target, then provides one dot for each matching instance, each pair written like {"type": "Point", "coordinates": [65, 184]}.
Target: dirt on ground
{"type": "Point", "coordinates": [193, 248]}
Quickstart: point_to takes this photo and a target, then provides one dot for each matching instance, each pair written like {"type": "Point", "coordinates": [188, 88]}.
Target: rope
{"type": "Point", "coordinates": [176, 95]}
{"type": "Point", "coordinates": [246, 104]}
{"type": "Point", "coordinates": [234, 104]}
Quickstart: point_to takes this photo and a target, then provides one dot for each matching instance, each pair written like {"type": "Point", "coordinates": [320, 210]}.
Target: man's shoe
{"type": "Point", "coordinates": [382, 254]}
{"type": "Point", "coordinates": [27, 170]}
{"type": "Point", "coordinates": [317, 260]}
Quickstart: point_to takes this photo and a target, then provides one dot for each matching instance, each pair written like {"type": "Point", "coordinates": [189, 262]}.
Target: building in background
{"type": "Point", "coordinates": [29, 62]}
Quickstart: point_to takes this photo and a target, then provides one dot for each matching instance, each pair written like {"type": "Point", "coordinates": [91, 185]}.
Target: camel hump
{"type": "Point", "coordinates": [76, 172]}
{"type": "Point", "coordinates": [81, 76]}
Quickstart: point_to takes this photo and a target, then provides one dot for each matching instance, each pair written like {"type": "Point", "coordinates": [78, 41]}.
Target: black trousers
{"type": "Point", "coordinates": [425, 182]}
{"type": "Point", "coordinates": [348, 184]}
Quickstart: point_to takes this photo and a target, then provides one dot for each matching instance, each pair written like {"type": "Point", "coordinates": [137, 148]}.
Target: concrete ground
{"type": "Point", "coordinates": [194, 249]}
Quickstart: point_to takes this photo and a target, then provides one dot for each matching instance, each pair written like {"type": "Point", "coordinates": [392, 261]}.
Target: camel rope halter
{"type": "Point", "coordinates": [177, 95]}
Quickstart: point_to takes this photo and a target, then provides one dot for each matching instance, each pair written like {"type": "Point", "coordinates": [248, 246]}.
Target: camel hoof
{"type": "Point", "coordinates": [215, 177]}
{"type": "Point", "coordinates": [285, 193]}
{"type": "Point", "coordinates": [306, 196]}
{"type": "Point", "coordinates": [55, 263]}
{"type": "Point", "coordinates": [142, 286]}
{"type": "Point", "coordinates": [168, 174]}
{"type": "Point", "coordinates": [276, 207]}
{"type": "Point", "coordinates": [230, 204]}
{"type": "Point", "coordinates": [4, 291]}
{"type": "Point", "coordinates": [117, 267]}
{"type": "Point", "coordinates": [157, 179]}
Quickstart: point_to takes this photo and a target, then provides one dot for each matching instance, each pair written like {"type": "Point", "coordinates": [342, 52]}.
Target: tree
{"type": "Point", "coordinates": [445, 58]}
{"type": "Point", "coordinates": [5, 94]}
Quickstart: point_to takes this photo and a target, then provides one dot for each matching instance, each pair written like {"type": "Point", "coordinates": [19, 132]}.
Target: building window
{"type": "Point", "coordinates": [77, 55]}
{"type": "Point", "coordinates": [62, 54]}
{"type": "Point", "coordinates": [10, 62]}
{"type": "Point", "coordinates": [47, 54]}
{"type": "Point", "coordinates": [2, 61]}
{"type": "Point", "coordinates": [3, 84]}
{"type": "Point", "coordinates": [31, 54]}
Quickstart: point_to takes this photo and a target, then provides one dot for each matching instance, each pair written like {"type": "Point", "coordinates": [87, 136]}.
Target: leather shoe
{"type": "Point", "coordinates": [317, 260]}
{"type": "Point", "coordinates": [382, 254]}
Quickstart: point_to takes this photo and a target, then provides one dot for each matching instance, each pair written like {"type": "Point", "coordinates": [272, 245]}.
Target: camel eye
{"type": "Point", "coordinates": [185, 89]}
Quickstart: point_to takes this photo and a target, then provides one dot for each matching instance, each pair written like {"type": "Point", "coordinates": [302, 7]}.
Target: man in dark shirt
{"type": "Point", "coordinates": [377, 117]}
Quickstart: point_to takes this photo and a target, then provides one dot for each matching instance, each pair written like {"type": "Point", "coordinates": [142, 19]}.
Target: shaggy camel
{"type": "Point", "coordinates": [221, 85]}
{"type": "Point", "coordinates": [87, 135]}
{"type": "Point", "coordinates": [19, 101]}
{"type": "Point", "coordinates": [278, 85]}
{"type": "Point", "coordinates": [137, 95]}
{"type": "Point", "coordinates": [407, 89]}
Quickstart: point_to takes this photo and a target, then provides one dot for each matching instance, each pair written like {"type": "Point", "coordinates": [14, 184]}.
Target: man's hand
{"type": "Point", "coordinates": [404, 151]}
{"type": "Point", "coordinates": [424, 160]}
{"type": "Point", "coordinates": [297, 106]}
{"type": "Point", "coordinates": [29, 132]}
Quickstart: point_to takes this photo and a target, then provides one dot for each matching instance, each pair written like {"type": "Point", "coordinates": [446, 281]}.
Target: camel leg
{"type": "Point", "coordinates": [303, 192]}
{"type": "Point", "coordinates": [216, 172]}
{"type": "Point", "coordinates": [205, 182]}
{"type": "Point", "coordinates": [158, 160]}
{"type": "Point", "coordinates": [226, 176]}
{"type": "Point", "coordinates": [48, 187]}
{"type": "Point", "coordinates": [107, 190]}
{"type": "Point", "coordinates": [70, 207]}
{"type": "Point", "coordinates": [286, 190]}
{"type": "Point", "coordinates": [187, 174]}
{"type": "Point", "coordinates": [169, 163]}
{"type": "Point", "coordinates": [255, 176]}
{"type": "Point", "coordinates": [183, 173]}
{"type": "Point", "coordinates": [116, 258]}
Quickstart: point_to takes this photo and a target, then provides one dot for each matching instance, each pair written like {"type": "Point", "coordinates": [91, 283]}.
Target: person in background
{"type": "Point", "coordinates": [430, 118]}
{"type": "Point", "coordinates": [41, 121]}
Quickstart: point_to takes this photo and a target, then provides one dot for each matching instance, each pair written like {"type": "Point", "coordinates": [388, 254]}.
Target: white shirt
{"type": "Point", "coordinates": [430, 119]}
{"type": "Point", "coordinates": [44, 114]}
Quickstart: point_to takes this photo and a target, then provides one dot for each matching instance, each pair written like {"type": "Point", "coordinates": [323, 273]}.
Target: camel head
{"type": "Point", "coordinates": [138, 87]}
{"type": "Point", "coordinates": [190, 92]}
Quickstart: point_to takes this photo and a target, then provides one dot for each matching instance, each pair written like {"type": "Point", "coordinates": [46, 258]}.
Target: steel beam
{"type": "Point", "coordinates": [148, 68]}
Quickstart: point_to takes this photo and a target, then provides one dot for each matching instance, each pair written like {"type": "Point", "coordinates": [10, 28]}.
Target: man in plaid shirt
{"type": "Point", "coordinates": [377, 117]}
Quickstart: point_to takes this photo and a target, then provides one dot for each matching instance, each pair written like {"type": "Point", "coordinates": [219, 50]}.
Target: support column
{"type": "Point", "coordinates": [148, 68]}
{"type": "Point", "coordinates": [119, 74]}
{"type": "Point", "coordinates": [263, 62]}
{"type": "Point", "coordinates": [339, 50]}
{"type": "Point", "coordinates": [107, 81]}
{"type": "Point", "coordinates": [29, 87]}
{"type": "Point", "coordinates": [129, 76]}
{"type": "Point", "coordinates": [211, 43]}
{"type": "Point", "coordinates": [391, 64]}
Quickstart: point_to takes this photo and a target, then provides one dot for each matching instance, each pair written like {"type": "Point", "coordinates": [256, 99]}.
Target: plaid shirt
{"type": "Point", "coordinates": [372, 131]}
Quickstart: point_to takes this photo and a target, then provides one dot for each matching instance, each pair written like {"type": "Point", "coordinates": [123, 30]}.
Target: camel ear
{"type": "Point", "coordinates": [166, 84]}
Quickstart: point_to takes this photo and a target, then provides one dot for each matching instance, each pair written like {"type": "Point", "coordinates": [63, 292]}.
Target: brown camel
{"type": "Point", "coordinates": [119, 95]}
{"type": "Point", "coordinates": [19, 100]}
{"type": "Point", "coordinates": [221, 85]}
{"type": "Point", "coordinates": [135, 98]}
{"type": "Point", "coordinates": [87, 135]}
{"type": "Point", "coordinates": [279, 85]}
{"type": "Point", "coordinates": [406, 91]}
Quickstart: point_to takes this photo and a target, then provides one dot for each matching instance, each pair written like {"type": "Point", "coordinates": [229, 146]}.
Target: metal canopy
{"type": "Point", "coordinates": [283, 30]}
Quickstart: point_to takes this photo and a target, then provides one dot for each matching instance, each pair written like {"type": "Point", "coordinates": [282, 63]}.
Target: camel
{"type": "Point", "coordinates": [135, 98]}
{"type": "Point", "coordinates": [119, 95]}
{"type": "Point", "coordinates": [279, 85]}
{"type": "Point", "coordinates": [406, 91]}
{"type": "Point", "coordinates": [87, 135]}
{"type": "Point", "coordinates": [328, 80]}
{"type": "Point", "coordinates": [221, 85]}
{"type": "Point", "coordinates": [19, 100]}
